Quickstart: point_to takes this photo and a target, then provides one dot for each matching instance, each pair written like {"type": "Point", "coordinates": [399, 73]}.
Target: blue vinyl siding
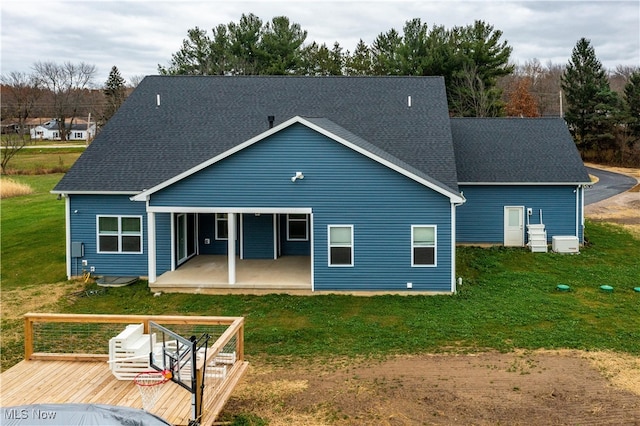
{"type": "Point", "coordinates": [481, 218]}
{"type": "Point", "coordinates": [341, 187]}
{"type": "Point", "coordinates": [163, 242]}
{"type": "Point", "coordinates": [292, 248]}
{"type": "Point", "coordinates": [257, 236]}
{"type": "Point", "coordinates": [84, 210]}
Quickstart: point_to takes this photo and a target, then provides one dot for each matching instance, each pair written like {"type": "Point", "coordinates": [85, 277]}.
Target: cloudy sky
{"type": "Point", "coordinates": [137, 35]}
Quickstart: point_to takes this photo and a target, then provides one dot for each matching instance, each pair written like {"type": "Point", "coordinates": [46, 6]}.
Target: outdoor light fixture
{"type": "Point", "coordinates": [298, 175]}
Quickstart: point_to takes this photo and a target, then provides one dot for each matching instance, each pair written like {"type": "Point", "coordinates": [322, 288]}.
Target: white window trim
{"type": "Point", "coordinates": [435, 246]}
{"type": "Point", "coordinates": [215, 230]}
{"type": "Point", "coordinates": [329, 246]}
{"type": "Point", "coordinates": [306, 225]}
{"type": "Point", "coordinates": [119, 235]}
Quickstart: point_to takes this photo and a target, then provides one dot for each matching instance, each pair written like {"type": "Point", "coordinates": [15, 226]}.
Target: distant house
{"type": "Point", "coordinates": [366, 180]}
{"type": "Point", "coordinates": [50, 131]}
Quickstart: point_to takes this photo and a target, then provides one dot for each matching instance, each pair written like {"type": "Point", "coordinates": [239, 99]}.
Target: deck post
{"type": "Point", "coordinates": [28, 337]}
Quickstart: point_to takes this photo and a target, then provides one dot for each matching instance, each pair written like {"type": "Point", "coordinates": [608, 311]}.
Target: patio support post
{"type": "Point", "coordinates": [151, 237]}
{"type": "Point", "coordinates": [231, 246]}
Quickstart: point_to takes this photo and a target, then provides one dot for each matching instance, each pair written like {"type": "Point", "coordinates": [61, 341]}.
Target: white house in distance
{"type": "Point", "coordinates": [50, 131]}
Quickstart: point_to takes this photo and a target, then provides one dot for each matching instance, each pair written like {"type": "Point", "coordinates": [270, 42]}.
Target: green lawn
{"type": "Point", "coordinates": [32, 236]}
{"type": "Point", "coordinates": [508, 298]}
{"type": "Point", "coordinates": [43, 160]}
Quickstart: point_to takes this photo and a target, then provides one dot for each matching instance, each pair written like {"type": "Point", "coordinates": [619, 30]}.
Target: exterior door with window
{"type": "Point", "coordinates": [185, 237]}
{"type": "Point", "coordinates": [514, 226]}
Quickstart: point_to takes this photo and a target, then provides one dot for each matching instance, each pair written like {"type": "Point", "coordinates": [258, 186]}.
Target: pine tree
{"type": "Point", "coordinates": [114, 91]}
{"type": "Point", "coordinates": [593, 107]}
{"type": "Point", "coordinates": [632, 98]}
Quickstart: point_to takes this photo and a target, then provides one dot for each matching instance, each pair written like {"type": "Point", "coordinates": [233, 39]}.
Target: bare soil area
{"type": "Point", "coordinates": [540, 387]}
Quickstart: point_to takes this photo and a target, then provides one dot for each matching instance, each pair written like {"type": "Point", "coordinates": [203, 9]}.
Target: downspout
{"type": "Point", "coordinates": [453, 243]}
{"type": "Point", "coordinates": [577, 210]}
{"type": "Point", "coordinates": [582, 188]}
{"type": "Point", "coordinates": [67, 220]}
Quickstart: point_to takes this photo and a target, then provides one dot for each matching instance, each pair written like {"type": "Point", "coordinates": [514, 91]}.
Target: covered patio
{"type": "Point", "coordinates": [210, 274]}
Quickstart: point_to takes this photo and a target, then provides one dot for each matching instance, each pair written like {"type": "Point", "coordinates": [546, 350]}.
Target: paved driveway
{"type": "Point", "coordinates": [610, 184]}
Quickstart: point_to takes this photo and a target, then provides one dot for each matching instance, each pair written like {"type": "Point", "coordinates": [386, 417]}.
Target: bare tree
{"type": "Point", "coordinates": [471, 98]}
{"type": "Point", "coordinates": [20, 92]}
{"type": "Point", "coordinates": [67, 84]}
{"type": "Point", "coordinates": [619, 77]}
{"type": "Point", "coordinates": [134, 80]}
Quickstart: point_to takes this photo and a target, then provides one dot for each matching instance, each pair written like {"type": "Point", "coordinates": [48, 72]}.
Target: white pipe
{"type": "Point", "coordinates": [577, 211]}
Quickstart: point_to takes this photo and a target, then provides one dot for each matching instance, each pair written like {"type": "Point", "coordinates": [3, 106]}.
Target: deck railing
{"type": "Point", "coordinates": [85, 337]}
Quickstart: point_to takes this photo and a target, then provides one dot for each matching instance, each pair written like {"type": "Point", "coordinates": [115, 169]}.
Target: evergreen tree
{"type": "Point", "coordinates": [359, 63]}
{"type": "Point", "coordinates": [632, 99]}
{"type": "Point", "coordinates": [114, 92]}
{"type": "Point", "coordinates": [593, 108]}
{"type": "Point", "coordinates": [280, 46]}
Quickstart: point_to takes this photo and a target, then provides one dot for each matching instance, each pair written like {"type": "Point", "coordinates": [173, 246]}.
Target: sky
{"type": "Point", "coordinates": [137, 35]}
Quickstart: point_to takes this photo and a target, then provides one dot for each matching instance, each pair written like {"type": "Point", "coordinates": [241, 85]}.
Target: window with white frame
{"type": "Point", "coordinates": [340, 245]}
{"type": "Point", "coordinates": [119, 234]}
{"type": "Point", "coordinates": [77, 135]}
{"type": "Point", "coordinates": [222, 226]}
{"type": "Point", "coordinates": [297, 227]}
{"type": "Point", "coordinates": [423, 245]}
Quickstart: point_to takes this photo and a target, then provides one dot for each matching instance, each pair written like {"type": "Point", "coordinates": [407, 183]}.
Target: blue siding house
{"type": "Point", "coordinates": [515, 173]}
{"type": "Point", "coordinates": [364, 181]}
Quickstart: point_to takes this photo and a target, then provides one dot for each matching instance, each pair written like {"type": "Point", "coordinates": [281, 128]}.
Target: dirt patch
{"type": "Point", "coordinates": [541, 387]}
{"type": "Point", "coordinates": [623, 209]}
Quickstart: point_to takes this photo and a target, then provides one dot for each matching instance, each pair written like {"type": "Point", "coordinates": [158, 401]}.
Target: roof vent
{"type": "Point", "coordinates": [158, 100]}
{"type": "Point", "coordinates": [409, 101]}
{"type": "Point", "coordinates": [271, 119]}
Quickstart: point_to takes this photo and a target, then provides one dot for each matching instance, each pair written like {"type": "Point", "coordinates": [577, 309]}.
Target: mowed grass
{"type": "Point", "coordinates": [32, 237]}
{"type": "Point", "coordinates": [508, 298]}
{"type": "Point", "coordinates": [37, 161]}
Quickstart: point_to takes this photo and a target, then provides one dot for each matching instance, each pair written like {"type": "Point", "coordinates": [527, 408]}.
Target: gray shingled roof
{"type": "Point", "coordinates": [514, 150]}
{"type": "Point", "coordinates": [198, 118]}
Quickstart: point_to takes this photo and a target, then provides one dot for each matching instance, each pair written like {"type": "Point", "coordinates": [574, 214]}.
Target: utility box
{"type": "Point", "coordinates": [565, 244]}
{"type": "Point", "coordinates": [77, 249]}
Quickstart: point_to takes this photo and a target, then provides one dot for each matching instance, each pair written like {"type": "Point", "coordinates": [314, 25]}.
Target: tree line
{"type": "Point", "coordinates": [602, 108]}
{"type": "Point", "coordinates": [471, 58]}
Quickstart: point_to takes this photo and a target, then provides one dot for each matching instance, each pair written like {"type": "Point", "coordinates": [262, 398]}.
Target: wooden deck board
{"type": "Point", "coordinates": [33, 382]}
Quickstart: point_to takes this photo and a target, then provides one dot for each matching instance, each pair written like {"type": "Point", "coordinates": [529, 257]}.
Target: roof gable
{"type": "Point", "coordinates": [171, 124]}
{"type": "Point", "coordinates": [332, 131]}
{"type": "Point", "coordinates": [516, 150]}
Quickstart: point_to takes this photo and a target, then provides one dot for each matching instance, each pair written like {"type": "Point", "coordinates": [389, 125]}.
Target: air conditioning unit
{"type": "Point", "coordinates": [565, 244]}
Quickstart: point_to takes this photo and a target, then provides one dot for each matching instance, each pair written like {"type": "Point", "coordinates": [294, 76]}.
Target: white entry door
{"type": "Point", "coordinates": [514, 226]}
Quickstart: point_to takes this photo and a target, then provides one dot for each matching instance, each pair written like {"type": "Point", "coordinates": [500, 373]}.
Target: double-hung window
{"type": "Point", "coordinates": [222, 226]}
{"type": "Point", "coordinates": [119, 234]}
{"type": "Point", "coordinates": [423, 245]}
{"type": "Point", "coordinates": [340, 245]}
{"type": "Point", "coordinates": [297, 227]}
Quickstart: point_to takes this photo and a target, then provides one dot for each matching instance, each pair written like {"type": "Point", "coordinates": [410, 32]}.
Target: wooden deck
{"type": "Point", "coordinates": [35, 382]}
{"type": "Point", "coordinates": [87, 378]}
